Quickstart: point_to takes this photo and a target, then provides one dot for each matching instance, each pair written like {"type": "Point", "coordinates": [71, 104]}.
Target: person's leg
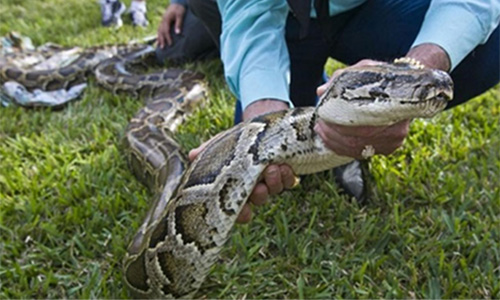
{"type": "Point", "coordinates": [384, 30]}
{"type": "Point", "coordinates": [307, 59]}
{"type": "Point", "coordinates": [208, 12]}
{"type": "Point", "coordinates": [194, 43]}
{"type": "Point", "coordinates": [138, 13]}
{"type": "Point", "coordinates": [478, 72]}
{"type": "Point", "coordinates": [111, 11]}
{"type": "Point", "coordinates": [378, 29]}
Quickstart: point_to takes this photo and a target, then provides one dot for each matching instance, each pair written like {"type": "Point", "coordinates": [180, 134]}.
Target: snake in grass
{"type": "Point", "coordinates": [196, 204]}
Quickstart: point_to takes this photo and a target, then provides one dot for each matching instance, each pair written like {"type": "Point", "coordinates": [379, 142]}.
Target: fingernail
{"type": "Point", "coordinates": [271, 172]}
{"type": "Point", "coordinates": [177, 31]}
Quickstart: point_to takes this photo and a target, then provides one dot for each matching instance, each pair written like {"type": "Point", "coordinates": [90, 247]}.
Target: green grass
{"type": "Point", "coordinates": [69, 205]}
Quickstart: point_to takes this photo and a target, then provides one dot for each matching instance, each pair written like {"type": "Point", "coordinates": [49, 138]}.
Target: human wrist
{"type": "Point", "coordinates": [263, 106]}
{"type": "Point", "coordinates": [431, 56]}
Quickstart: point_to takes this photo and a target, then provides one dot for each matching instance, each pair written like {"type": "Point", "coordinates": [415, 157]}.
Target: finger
{"type": "Point", "coordinates": [178, 24]}
{"type": "Point", "coordinates": [287, 177]}
{"type": "Point", "coordinates": [353, 146]}
{"type": "Point", "coordinates": [357, 131]}
{"type": "Point", "coordinates": [384, 142]}
{"type": "Point", "coordinates": [159, 39]}
{"type": "Point", "coordinates": [384, 149]}
{"type": "Point", "coordinates": [168, 37]}
{"type": "Point", "coordinates": [322, 88]}
{"type": "Point", "coordinates": [245, 215]}
{"type": "Point", "coordinates": [259, 195]}
{"type": "Point", "coordinates": [272, 178]}
{"type": "Point", "coordinates": [194, 152]}
{"type": "Point", "coordinates": [392, 137]}
{"type": "Point", "coordinates": [165, 28]}
{"type": "Point", "coordinates": [399, 130]}
{"type": "Point", "coordinates": [367, 62]}
{"type": "Point", "coordinates": [341, 145]}
{"type": "Point", "coordinates": [364, 62]}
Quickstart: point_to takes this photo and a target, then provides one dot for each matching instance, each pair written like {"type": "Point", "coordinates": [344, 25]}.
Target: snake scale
{"type": "Point", "coordinates": [195, 205]}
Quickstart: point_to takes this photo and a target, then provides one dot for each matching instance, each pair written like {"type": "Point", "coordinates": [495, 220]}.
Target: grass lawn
{"type": "Point", "coordinates": [69, 205]}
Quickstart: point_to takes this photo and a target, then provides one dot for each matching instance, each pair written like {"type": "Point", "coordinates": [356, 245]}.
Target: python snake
{"type": "Point", "coordinates": [195, 209]}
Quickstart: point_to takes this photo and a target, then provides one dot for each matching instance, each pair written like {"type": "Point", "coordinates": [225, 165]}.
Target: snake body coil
{"type": "Point", "coordinates": [195, 209]}
{"type": "Point", "coordinates": [182, 237]}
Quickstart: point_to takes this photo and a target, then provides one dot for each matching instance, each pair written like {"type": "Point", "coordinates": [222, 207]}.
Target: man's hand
{"type": "Point", "coordinates": [352, 140]}
{"type": "Point", "coordinates": [174, 14]}
{"type": "Point", "coordinates": [275, 178]}
{"type": "Point", "coordinates": [431, 56]}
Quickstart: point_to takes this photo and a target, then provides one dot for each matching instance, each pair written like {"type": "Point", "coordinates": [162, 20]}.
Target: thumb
{"type": "Point", "coordinates": [160, 40]}
{"type": "Point", "coordinates": [322, 88]}
{"type": "Point", "coordinates": [364, 62]}
{"type": "Point", "coordinates": [194, 152]}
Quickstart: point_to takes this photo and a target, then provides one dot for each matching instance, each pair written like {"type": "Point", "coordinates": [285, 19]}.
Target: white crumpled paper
{"type": "Point", "coordinates": [12, 92]}
{"type": "Point", "coordinates": [16, 93]}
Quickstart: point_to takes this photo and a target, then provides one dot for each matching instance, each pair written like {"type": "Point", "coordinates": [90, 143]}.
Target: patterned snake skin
{"type": "Point", "coordinates": [187, 227]}
{"type": "Point", "coordinates": [195, 209]}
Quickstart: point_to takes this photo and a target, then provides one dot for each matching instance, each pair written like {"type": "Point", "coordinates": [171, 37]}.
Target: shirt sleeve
{"type": "Point", "coordinates": [459, 26]}
{"type": "Point", "coordinates": [253, 49]}
{"type": "Point", "coordinates": [181, 2]}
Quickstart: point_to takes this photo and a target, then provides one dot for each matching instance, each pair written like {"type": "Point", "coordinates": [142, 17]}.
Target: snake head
{"type": "Point", "coordinates": [384, 94]}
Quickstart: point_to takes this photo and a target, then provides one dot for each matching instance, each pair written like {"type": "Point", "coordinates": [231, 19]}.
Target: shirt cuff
{"type": "Point", "coordinates": [454, 29]}
{"type": "Point", "coordinates": [263, 84]}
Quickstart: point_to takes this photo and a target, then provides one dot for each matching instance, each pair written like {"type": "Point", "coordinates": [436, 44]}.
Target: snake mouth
{"type": "Point", "coordinates": [442, 97]}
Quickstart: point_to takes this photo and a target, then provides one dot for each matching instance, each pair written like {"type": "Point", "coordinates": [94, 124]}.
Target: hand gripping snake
{"type": "Point", "coordinates": [187, 227]}
{"type": "Point", "coordinates": [195, 209]}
